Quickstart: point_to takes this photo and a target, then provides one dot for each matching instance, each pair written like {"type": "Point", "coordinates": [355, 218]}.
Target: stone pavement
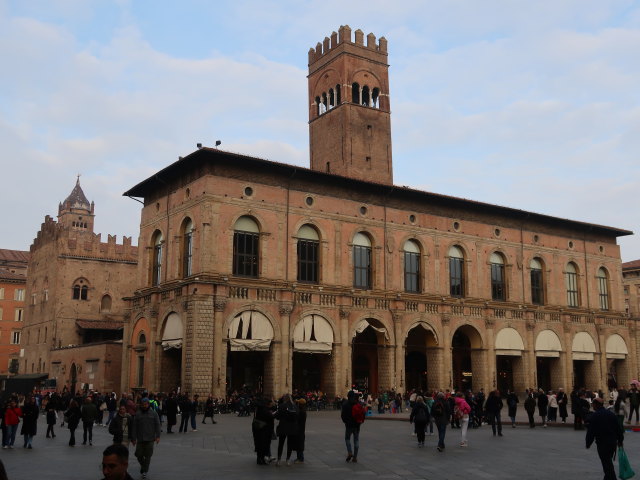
{"type": "Point", "coordinates": [388, 451]}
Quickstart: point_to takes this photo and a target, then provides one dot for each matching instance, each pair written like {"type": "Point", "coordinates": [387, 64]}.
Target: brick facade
{"type": "Point", "coordinates": [215, 191]}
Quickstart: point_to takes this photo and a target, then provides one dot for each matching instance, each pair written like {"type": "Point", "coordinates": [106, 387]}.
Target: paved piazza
{"type": "Point", "coordinates": [388, 451]}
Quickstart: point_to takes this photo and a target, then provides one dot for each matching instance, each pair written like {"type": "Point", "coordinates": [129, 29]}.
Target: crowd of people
{"type": "Point", "coordinates": [138, 419]}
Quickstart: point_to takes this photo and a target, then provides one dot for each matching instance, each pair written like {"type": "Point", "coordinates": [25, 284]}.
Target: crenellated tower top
{"type": "Point", "coordinates": [76, 212]}
{"type": "Point", "coordinates": [349, 108]}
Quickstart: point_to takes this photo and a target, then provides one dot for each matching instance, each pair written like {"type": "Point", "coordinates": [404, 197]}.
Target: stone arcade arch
{"type": "Point", "coordinates": [618, 371]}
{"type": "Point", "coordinates": [548, 367]}
{"type": "Point", "coordinates": [249, 354]}
{"type": "Point", "coordinates": [421, 346]}
{"type": "Point", "coordinates": [466, 356]}
{"type": "Point", "coordinates": [171, 356]}
{"type": "Point", "coordinates": [585, 368]}
{"type": "Point", "coordinates": [313, 367]}
{"type": "Point", "coordinates": [509, 364]}
{"type": "Point", "coordinates": [368, 355]}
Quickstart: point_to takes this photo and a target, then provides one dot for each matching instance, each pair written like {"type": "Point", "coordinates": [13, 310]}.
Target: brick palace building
{"type": "Point", "coordinates": [275, 277]}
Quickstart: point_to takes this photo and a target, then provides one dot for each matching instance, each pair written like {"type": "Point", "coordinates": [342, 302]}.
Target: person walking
{"type": "Point", "coordinates": [493, 407]}
{"type": "Point", "coordinates": [145, 431]}
{"type": "Point", "coordinates": [302, 425]}
{"type": "Point", "coordinates": [552, 414]}
{"type": "Point", "coordinates": [543, 404]}
{"type": "Point", "coordinates": [441, 414]}
{"type": "Point", "coordinates": [262, 429]}
{"type": "Point", "coordinates": [287, 429]}
{"type": "Point", "coordinates": [30, 414]}
{"type": "Point", "coordinates": [634, 402]}
{"type": "Point", "coordinates": [89, 413]}
{"type": "Point", "coordinates": [193, 412]}
{"type": "Point", "coordinates": [419, 418]}
{"type": "Point", "coordinates": [209, 409]}
{"type": "Point", "coordinates": [512, 406]}
{"type": "Point", "coordinates": [112, 406]}
{"type": "Point", "coordinates": [562, 399]}
{"type": "Point", "coordinates": [185, 413]}
{"type": "Point", "coordinates": [72, 416]}
{"type": "Point", "coordinates": [12, 416]}
{"type": "Point", "coordinates": [607, 433]}
{"type": "Point", "coordinates": [52, 419]}
{"type": "Point", "coordinates": [120, 427]}
{"type": "Point", "coordinates": [530, 408]}
{"type": "Point", "coordinates": [462, 411]}
{"type": "Point", "coordinates": [351, 426]}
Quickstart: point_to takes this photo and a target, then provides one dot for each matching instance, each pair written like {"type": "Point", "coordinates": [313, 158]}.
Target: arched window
{"type": "Point", "coordinates": [571, 282]}
{"type": "Point", "coordinates": [142, 339]}
{"type": "Point", "coordinates": [498, 285]}
{"type": "Point", "coordinates": [84, 292]}
{"type": "Point", "coordinates": [361, 261]}
{"type": "Point", "coordinates": [411, 266]}
{"type": "Point", "coordinates": [325, 103]}
{"type": "Point", "coordinates": [308, 248]}
{"type": "Point", "coordinates": [603, 288]}
{"type": "Point", "coordinates": [156, 264]}
{"type": "Point", "coordinates": [245, 247]}
{"type": "Point", "coordinates": [338, 98]}
{"type": "Point", "coordinates": [332, 99]}
{"type": "Point", "coordinates": [105, 303]}
{"type": "Point", "coordinates": [375, 98]}
{"type": "Point", "coordinates": [365, 96]}
{"type": "Point", "coordinates": [456, 272]}
{"type": "Point", "coordinates": [355, 93]}
{"type": "Point", "coordinates": [187, 247]}
{"type": "Point", "coordinates": [537, 286]}
{"type": "Point", "coordinates": [318, 110]}
{"type": "Point", "coordinates": [76, 292]}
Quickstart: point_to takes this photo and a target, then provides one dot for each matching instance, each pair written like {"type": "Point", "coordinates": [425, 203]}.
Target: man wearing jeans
{"type": "Point", "coordinates": [351, 426]}
{"type": "Point", "coordinates": [145, 431]}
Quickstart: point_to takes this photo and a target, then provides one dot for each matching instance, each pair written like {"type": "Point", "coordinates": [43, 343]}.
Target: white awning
{"type": "Point", "coordinates": [313, 334]}
{"type": "Point", "coordinates": [363, 324]}
{"type": "Point", "coordinates": [509, 342]}
{"type": "Point", "coordinates": [583, 347]}
{"type": "Point", "coordinates": [250, 331]}
{"type": "Point", "coordinates": [426, 326]}
{"type": "Point", "coordinates": [548, 344]}
{"type": "Point", "coordinates": [172, 334]}
{"type": "Point", "coordinates": [616, 347]}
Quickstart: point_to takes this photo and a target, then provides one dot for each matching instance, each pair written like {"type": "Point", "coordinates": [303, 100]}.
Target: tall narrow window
{"type": "Point", "coordinates": [76, 292]}
{"type": "Point", "coordinates": [411, 267]}
{"type": "Point", "coordinates": [105, 303]}
{"type": "Point", "coordinates": [603, 288]}
{"type": "Point", "coordinates": [355, 93]}
{"type": "Point", "coordinates": [84, 292]}
{"type": "Point", "coordinates": [498, 286]}
{"type": "Point", "coordinates": [571, 282]}
{"type": "Point", "coordinates": [456, 272]}
{"type": "Point", "coordinates": [187, 248]}
{"type": "Point", "coordinates": [140, 371]}
{"type": "Point", "coordinates": [245, 247]}
{"type": "Point", "coordinates": [308, 248]}
{"type": "Point", "coordinates": [537, 288]}
{"type": "Point", "coordinates": [365, 96]}
{"type": "Point", "coordinates": [361, 261]}
{"type": "Point", "coordinates": [156, 272]}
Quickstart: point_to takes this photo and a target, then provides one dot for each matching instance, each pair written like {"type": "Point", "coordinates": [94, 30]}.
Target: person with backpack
{"type": "Point", "coordinates": [441, 413]}
{"type": "Point", "coordinates": [419, 417]}
{"type": "Point", "coordinates": [352, 415]}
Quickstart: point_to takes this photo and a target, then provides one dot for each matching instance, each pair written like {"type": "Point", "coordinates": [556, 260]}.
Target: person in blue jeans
{"type": "Point", "coordinates": [352, 428]}
{"type": "Point", "coordinates": [441, 413]}
{"type": "Point", "coordinates": [193, 411]}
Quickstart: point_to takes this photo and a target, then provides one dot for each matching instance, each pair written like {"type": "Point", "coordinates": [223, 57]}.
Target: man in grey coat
{"type": "Point", "coordinates": [145, 431]}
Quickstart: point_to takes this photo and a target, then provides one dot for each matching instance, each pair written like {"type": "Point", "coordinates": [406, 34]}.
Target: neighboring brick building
{"type": "Point", "coordinates": [75, 309]}
{"type": "Point", "coordinates": [275, 277]}
{"type": "Point", "coordinates": [13, 280]}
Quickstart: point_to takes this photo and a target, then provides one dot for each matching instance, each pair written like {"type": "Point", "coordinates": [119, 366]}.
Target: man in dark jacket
{"type": "Point", "coordinates": [89, 413]}
{"type": "Point", "coordinates": [351, 426]}
{"type": "Point", "coordinates": [605, 429]}
{"type": "Point", "coordinates": [493, 407]}
{"type": "Point", "coordinates": [146, 430]}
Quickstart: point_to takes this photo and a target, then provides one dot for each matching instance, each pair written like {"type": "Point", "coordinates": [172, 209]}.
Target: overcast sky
{"type": "Point", "coordinates": [531, 105]}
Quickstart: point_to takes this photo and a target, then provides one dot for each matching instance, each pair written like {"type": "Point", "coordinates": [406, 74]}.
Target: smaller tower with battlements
{"type": "Point", "coordinates": [76, 213]}
{"type": "Point", "coordinates": [349, 112]}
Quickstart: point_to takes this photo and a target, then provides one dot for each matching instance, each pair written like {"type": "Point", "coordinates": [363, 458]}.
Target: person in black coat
{"type": "Point", "coordinates": [302, 425]}
{"type": "Point", "coordinates": [72, 417]}
{"type": "Point", "coordinates": [287, 429]}
{"type": "Point", "coordinates": [543, 404]}
{"type": "Point", "coordinates": [605, 430]}
{"type": "Point", "coordinates": [562, 399]}
{"type": "Point", "coordinates": [262, 429]}
{"type": "Point", "coordinates": [419, 417]}
{"type": "Point", "coordinates": [30, 413]}
{"type": "Point", "coordinates": [530, 407]}
{"type": "Point", "coordinates": [51, 420]}
{"type": "Point", "coordinates": [493, 407]}
{"type": "Point", "coordinates": [185, 412]}
{"type": "Point", "coordinates": [512, 405]}
{"type": "Point", "coordinates": [170, 406]}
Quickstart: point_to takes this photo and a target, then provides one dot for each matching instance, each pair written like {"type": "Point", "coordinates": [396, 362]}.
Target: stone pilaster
{"type": "Point", "coordinates": [446, 375]}
{"type": "Point", "coordinates": [219, 348]}
{"type": "Point", "coordinates": [283, 380]}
